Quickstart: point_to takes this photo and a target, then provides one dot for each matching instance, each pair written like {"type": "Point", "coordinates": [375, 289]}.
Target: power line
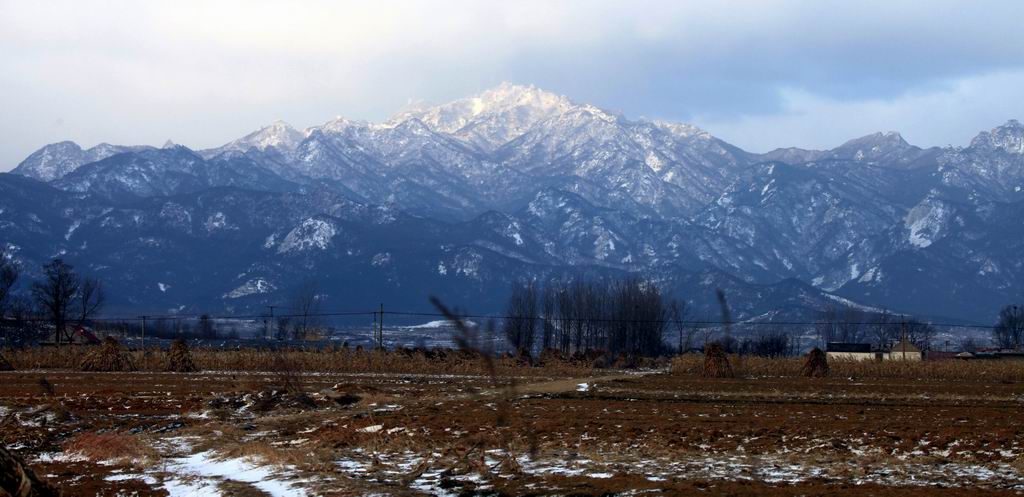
{"type": "Point", "coordinates": [373, 313]}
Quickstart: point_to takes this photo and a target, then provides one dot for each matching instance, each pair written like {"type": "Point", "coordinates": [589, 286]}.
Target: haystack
{"type": "Point", "coordinates": [4, 365]}
{"type": "Point", "coordinates": [815, 364]}
{"type": "Point", "coordinates": [108, 357]}
{"type": "Point", "coordinates": [179, 358]}
{"type": "Point", "coordinates": [18, 480]}
{"type": "Point", "coordinates": [716, 364]}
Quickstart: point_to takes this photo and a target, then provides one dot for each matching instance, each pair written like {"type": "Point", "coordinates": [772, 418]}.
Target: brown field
{"type": "Point", "coordinates": [389, 424]}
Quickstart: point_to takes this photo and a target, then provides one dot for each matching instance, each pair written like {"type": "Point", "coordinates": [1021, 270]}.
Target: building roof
{"type": "Point", "coordinates": [848, 347]}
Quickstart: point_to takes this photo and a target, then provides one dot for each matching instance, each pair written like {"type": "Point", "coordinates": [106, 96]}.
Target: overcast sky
{"type": "Point", "coordinates": [759, 74]}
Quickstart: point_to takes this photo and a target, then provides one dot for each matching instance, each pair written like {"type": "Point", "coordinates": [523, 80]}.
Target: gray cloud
{"type": "Point", "coordinates": [759, 73]}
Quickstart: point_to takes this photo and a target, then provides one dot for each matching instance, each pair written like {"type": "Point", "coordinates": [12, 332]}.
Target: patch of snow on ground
{"type": "Point", "coordinates": [204, 464]}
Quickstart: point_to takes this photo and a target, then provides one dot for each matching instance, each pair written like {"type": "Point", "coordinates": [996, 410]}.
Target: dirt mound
{"type": "Point", "coordinates": [179, 358]}
{"type": "Point", "coordinates": [716, 364]}
{"type": "Point", "coordinates": [18, 480]}
{"type": "Point", "coordinates": [4, 364]}
{"type": "Point", "coordinates": [108, 357]}
{"type": "Point", "coordinates": [815, 365]}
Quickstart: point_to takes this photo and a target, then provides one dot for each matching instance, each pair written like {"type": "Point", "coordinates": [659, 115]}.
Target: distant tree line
{"type": "Point", "coordinates": [627, 316]}
{"type": "Point", "coordinates": [61, 300]}
{"type": "Point", "coordinates": [881, 329]}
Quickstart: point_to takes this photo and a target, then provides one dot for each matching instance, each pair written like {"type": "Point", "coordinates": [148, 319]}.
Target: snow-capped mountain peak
{"type": "Point", "coordinates": [682, 130]}
{"type": "Point", "coordinates": [1008, 138]}
{"type": "Point", "coordinates": [876, 147]}
{"type": "Point", "coordinates": [56, 160]}
{"type": "Point", "coordinates": [278, 134]}
{"type": "Point", "coordinates": [494, 117]}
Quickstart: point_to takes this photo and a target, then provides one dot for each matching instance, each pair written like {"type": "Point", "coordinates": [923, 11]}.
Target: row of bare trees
{"type": "Point", "coordinates": [614, 316]}
{"type": "Point", "coordinates": [881, 329]}
{"type": "Point", "coordinates": [62, 298]}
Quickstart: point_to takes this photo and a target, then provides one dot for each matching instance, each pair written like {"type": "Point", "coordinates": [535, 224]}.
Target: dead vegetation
{"type": "Point", "coordinates": [792, 367]}
{"type": "Point", "coordinates": [716, 363]}
{"type": "Point", "coordinates": [404, 434]}
{"type": "Point", "coordinates": [110, 356]}
{"type": "Point", "coordinates": [815, 364]}
{"type": "Point", "coordinates": [326, 360]}
{"type": "Point", "coordinates": [455, 362]}
{"type": "Point", "coordinates": [112, 448]}
{"type": "Point", "coordinates": [179, 358]}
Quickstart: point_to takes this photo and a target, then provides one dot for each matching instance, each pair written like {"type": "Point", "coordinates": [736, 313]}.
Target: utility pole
{"type": "Point", "coordinates": [266, 326]}
{"type": "Point", "coordinates": [380, 324]}
{"type": "Point", "coordinates": [144, 341]}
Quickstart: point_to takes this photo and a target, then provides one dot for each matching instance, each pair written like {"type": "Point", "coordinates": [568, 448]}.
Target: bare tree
{"type": "Point", "coordinates": [8, 277]}
{"type": "Point", "coordinates": [914, 331]}
{"type": "Point", "coordinates": [677, 314]}
{"type": "Point", "coordinates": [91, 298]}
{"type": "Point", "coordinates": [21, 328]}
{"type": "Point", "coordinates": [840, 325]}
{"type": "Point", "coordinates": [548, 299]}
{"type": "Point", "coordinates": [1009, 330]}
{"type": "Point", "coordinates": [968, 345]}
{"type": "Point", "coordinates": [826, 327]}
{"type": "Point", "coordinates": [520, 322]}
{"type": "Point", "coordinates": [305, 307]}
{"type": "Point", "coordinates": [881, 329]}
{"type": "Point", "coordinates": [56, 293]}
{"type": "Point", "coordinates": [851, 325]}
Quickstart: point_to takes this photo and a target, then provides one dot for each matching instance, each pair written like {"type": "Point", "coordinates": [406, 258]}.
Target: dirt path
{"type": "Point", "coordinates": [578, 384]}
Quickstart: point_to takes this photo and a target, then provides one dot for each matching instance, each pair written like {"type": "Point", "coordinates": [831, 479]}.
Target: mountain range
{"type": "Point", "coordinates": [464, 199]}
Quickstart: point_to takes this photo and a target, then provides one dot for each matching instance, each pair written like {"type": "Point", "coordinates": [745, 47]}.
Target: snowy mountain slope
{"type": "Point", "coordinates": [167, 171]}
{"type": "Point", "coordinates": [225, 248]}
{"type": "Point", "coordinates": [519, 183]}
{"type": "Point", "coordinates": [278, 135]}
{"type": "Point", "coordinates": [56, 160]}
{"type": "Point", "coordinates": [492, 118]}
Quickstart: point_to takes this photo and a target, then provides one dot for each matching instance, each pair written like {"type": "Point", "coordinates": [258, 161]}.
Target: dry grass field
{"type": "Point", "coordinates": [371, 423]}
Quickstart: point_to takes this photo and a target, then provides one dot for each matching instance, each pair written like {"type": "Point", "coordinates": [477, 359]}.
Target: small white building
{"type": "Point", "coordinates": [851, 352]}
{"type": "Point", "coordinates": [901, 351]}
{"type": "Point", "coordinates": [904, 351]}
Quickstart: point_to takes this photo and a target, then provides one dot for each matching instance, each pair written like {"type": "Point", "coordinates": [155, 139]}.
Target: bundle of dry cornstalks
{"type": "Point", "coordinates": [108, 357]}
{"type": "Point", "coordinates": [179, 358]}
{"type": "Point", "coordinates": [815, 364]}
{"type": "Point", "coordinates": [716, 364]}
